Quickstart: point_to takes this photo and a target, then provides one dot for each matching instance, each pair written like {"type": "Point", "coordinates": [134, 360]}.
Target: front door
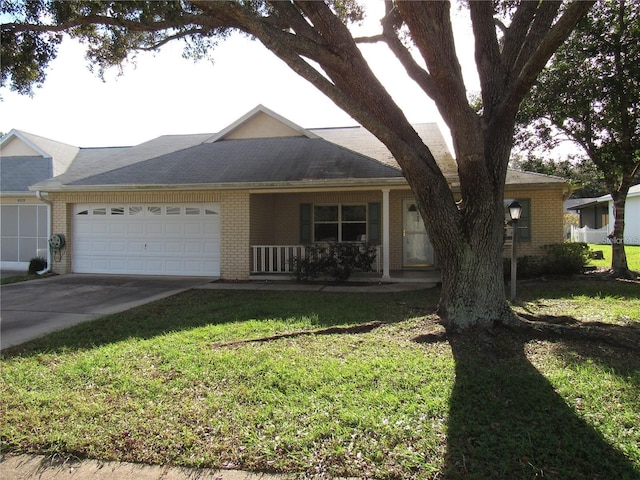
{"type": "Point", "coordinates": [418, 251]}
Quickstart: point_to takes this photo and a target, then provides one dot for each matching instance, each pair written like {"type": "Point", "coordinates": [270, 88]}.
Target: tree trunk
{"type": "Point", "coordinates": [619, 266]}
{"type": "Point", "coordinates": [473, 289]}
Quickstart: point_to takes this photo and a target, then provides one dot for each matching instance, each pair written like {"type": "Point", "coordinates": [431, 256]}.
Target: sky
{"type": "Point", "coordinates": [164, 93]}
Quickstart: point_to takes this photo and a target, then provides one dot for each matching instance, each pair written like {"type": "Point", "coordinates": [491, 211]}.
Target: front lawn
{"type": "Point", "coordinates": [632, 252]}
{"type": "Point", "coordinates": [177, 382]}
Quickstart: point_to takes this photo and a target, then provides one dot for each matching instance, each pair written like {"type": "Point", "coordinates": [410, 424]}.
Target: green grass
{"type": "Point", "coordinates": [18, 278]}
{"type": "Point", "coordinates": [632, 252]}
{"type": "Point", "coordinates": [154, 385]}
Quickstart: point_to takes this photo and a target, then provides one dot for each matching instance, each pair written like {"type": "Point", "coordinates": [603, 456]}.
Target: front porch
{"type": "Point", "coordinates": [283, 224]}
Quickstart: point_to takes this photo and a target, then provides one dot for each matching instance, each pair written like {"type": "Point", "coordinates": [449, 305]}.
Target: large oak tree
{"type": "Point", "coordinates": [512, 41]}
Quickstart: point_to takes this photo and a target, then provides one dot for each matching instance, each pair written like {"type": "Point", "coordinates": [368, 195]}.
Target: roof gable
{"type": "Point", "coordinates": [18, 143]}
{"type": "Point", "coordinates": [260, 123]}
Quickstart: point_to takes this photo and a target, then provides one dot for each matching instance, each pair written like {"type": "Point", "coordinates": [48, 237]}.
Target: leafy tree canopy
{"type": "Point", "coordinates": [590, 93]}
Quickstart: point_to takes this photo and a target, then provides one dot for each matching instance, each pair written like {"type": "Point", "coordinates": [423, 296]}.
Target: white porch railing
{"type": "Point", "coordinates": [279, 258]}
{"type": "Point", "coordinates": [589, 235]}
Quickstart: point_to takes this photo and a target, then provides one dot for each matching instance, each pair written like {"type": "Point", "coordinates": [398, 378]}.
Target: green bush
{"type": "Point", "coordinates": [37, 264]}
{"type": "Point", "coordinates": [336, 260]}
{"type": "Point", "coordinates": [559, 259]}
{"type": "Point", "coordinates": [566, 258]}
{"type": "Point", "coordinates": [528, 266]}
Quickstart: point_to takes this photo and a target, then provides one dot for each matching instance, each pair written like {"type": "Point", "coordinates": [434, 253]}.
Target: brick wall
{"type": "Point", "coordinates": [546, 218]}
{"type": "Point", "coordinates": [275, 219]}
{"type": "Point", "coordinates": [235, 252]}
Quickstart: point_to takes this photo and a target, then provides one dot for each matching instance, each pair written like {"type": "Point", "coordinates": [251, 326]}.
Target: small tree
{"type": "Point", "coordinates": [590, 93]}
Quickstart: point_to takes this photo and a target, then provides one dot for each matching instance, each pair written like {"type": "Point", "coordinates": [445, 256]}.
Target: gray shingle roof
{"type": "Point", "coordinates": [92, 161]}
{"type": "Point", "coordinates": [260, 160]}
{"type": "Point", "coordinates": [517, 177]}
{"type": "Point", "coordinates": [359, 139]}
{"type": "Point", "coordinates": [18, 173]}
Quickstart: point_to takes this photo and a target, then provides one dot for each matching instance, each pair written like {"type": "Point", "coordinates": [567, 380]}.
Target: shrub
{"type": "Point", "coordinates": [528, 266]}
{"type": "Point", "coordinates": [336, 260]}
{"type": "Point", "coordinates": [566, 258]}
{"type": "Point", "coordinates": [37, 264]}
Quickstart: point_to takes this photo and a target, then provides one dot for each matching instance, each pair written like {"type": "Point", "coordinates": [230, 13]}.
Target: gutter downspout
{"type": "Point", "coordinates": [41, 196]}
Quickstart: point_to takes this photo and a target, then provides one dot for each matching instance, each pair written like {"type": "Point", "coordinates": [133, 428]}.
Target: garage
{"type": "Point", "coordinates": [147, 239]}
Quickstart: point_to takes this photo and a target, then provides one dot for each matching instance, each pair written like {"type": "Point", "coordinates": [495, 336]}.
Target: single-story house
{"type": "Point", "coordinates": [26, 159]}
{"type": "Point", "coordinates": [243, 202]}
{"type": "Point", "coordinates": [596, 218]}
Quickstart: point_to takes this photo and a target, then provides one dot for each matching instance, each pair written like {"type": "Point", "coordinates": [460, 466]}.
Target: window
{"type": "Point", "coordinates": [173, 210]}
{"type": "Point", "coordinates": [339, 223]}
{"type": "Point", "coordinates": [154, 210]}
{"type": "Point", "coordinates": [136, 210]}
{"type": "Point", "coordinates": [117, 210]}
{"type": "Point", "coordinates": [192, 211]}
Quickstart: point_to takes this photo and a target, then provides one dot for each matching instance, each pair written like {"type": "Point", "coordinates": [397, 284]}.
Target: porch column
{"type": "Point", "coordinates": [385, 235]}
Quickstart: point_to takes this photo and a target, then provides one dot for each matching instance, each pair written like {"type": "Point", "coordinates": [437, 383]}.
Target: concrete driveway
{"type": "Point", "coordinates": [35, 308]}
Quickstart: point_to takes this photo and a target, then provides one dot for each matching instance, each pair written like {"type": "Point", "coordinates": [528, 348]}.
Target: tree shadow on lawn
{"type": "Point", "coordinates": [507, 421]}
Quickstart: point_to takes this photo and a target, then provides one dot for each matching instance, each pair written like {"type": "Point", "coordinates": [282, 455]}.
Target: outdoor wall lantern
{"type": "Point", "coordinates": [515, 211]}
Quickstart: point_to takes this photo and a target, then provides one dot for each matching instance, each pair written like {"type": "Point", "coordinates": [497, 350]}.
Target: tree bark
{"type": "Point", "coordinates": [619, 265]}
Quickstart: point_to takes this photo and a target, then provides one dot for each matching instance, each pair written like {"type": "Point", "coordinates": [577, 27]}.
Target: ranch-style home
{"type": "Point", "coordinates": [242, 203]}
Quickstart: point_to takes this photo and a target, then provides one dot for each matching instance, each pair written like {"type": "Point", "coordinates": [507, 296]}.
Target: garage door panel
{"type": "Point", "coordinates": [156, 239]}
{"type": "Point", "coordinates": [173, 229]}
{"type": "Point", "coordinates": [174, 247]}
{"type": "Point", "coordinates": [118, 229]}
{"type": "Point", "coordinates": [118, 247]}
{"type": "Point", "coordinates": [193, 229]}
{"type": "Point", "coordinates": [212, 228]}
{"type": "Point", "coordinates": [193, 247]}
{"type": "Point", "coordinates": [98, 228]}
{"type": "Point", "coordinates": [154, 248]}
{"type": "Point", "coordinates": [154, 229]}
{"type": "Point", "coordinates": [135, 246]}
{"type": "Point", "coordinates": [136, 265]}
{"type": "Point", "coordinates": [135, 228]}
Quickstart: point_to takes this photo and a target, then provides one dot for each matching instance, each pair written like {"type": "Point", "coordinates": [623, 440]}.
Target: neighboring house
{"type": "Point", "coordinates": [596, 219]}
{"type": "Point", "coordinates": [26, 159]}
{"type": "Point", "coordinates": [244, 202]}
{"type": "Point", "coordinates": [593, 212]}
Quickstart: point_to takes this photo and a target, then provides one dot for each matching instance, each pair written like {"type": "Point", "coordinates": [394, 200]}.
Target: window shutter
{"type": "Point", "coordinates": [374, 220]}
{"type": "Point", "coordinates": [524, 224]}
{"type": "Point", "coordinates": [305, 223]}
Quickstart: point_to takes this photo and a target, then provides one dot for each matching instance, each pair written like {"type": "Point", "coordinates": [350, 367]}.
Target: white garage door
{"type": "Point", "coordinates": [147, 239]}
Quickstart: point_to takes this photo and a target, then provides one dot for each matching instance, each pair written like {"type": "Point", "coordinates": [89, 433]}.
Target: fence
{"type": "Point", "coordinates": [590, 235]}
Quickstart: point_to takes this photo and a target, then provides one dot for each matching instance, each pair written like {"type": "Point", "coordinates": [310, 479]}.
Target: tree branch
{"type": "Point", "coordinates": [538, 59]}
{"type": "Point", "coordinates": [487, 54]}
{"type": "Point", "coordinates": [429, 24]}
